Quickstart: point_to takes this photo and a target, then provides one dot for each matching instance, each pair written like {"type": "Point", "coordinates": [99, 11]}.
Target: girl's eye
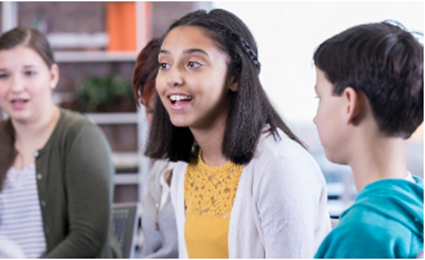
{"type": "Point", "coordinates": [4, 75]}
{"type": "Point", "coordinates": [163, 66]}
{"type": "Point", "coordinates": [29, 73]}
{"type": "Point", "coordinates": [193, 64]}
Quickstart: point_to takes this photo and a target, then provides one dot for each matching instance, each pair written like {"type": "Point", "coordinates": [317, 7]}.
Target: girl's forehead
{"type": "Point", "coordinates": [20, 53]}
{"type": "Point", "coordinates": [21, 56]}
{"type": "Point", "coordinates": [187, 36]}
{"type": "Point", "coordinates": [189, 29]}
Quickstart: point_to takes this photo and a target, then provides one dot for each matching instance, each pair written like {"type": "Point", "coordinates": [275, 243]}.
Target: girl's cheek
{"type": "Point", "coordinates": [160, 80]}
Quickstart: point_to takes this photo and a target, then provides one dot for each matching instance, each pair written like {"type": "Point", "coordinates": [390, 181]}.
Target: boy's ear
{"type": "Point", "coordinates": [353, 105]}
{"type": "Point", "coordinates": [233, 83]}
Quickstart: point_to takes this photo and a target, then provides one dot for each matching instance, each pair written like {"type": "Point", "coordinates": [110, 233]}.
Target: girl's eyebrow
{"type": "Point", "coordinates": [164, 51]}
{"type": "Point", "coordinates": [25, 67]}
{"type": "Point", "coordinates": [188, 51]}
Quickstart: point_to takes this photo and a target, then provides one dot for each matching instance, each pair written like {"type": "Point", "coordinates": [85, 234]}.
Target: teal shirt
{"type": "Point", "coordinates": [385, 221]}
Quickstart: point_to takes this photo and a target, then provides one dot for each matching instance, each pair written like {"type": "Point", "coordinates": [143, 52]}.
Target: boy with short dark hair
{"type": "Point", "coordinates": [370, 89]}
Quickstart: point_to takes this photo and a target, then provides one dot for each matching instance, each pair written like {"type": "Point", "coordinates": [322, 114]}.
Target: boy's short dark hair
{"type": "Point", "coordinates": [385, 63]}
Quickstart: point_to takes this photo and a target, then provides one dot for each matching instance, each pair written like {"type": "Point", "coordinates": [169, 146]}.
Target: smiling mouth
{"type": "Point", "coordinates": [19, 101]}
{"type": "Point", "coordinates": [175, 99]}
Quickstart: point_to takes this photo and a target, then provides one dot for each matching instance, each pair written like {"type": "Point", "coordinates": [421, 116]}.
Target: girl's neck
{"type": "Point", "coordinates": [383, 158]}
{"type": "Point", "coordinates": [32, 136]}
{"type": "Point", "coordinates": [210, 141]}
{"type": "Point", "coordinates": [26, 130]}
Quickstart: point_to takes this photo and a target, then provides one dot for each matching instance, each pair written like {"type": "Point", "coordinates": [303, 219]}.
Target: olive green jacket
{"type": "Point", "coordinates": [75, 186]}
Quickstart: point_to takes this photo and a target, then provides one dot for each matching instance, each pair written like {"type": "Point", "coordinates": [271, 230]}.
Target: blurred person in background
{"type": "Point", "coordinates": [56, 175]}
{"type": "Point", "coordinates": [158, 218]}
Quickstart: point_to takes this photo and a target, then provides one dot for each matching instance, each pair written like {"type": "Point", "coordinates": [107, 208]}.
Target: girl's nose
{"type": "Point", "coordinates": [16, 85]}
{"type": "Point", "coordinates": [174, 78]}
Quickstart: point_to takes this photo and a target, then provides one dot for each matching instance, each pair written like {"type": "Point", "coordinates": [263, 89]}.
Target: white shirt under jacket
{"type": "Point", "coordinates": [280, 206]}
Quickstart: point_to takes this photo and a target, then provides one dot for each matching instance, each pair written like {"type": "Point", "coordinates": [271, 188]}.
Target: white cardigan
{"type": "Point", "coordinates": [280, 206]}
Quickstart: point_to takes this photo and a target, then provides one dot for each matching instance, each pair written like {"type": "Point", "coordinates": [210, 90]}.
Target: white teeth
{"type": "Point", "coordinates": [19, 101]}
{"type": "Point", "coordinates": [179, 97]}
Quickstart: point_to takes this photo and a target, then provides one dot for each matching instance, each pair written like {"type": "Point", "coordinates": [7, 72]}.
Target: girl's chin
{"type": "Point", "coordinates": [179, 122]}
{"type": "Point", "coordinates": [18, 116]}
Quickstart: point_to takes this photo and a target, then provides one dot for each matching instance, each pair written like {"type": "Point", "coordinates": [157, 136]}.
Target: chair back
{"type": "Point", "coordinates": [126, 222]}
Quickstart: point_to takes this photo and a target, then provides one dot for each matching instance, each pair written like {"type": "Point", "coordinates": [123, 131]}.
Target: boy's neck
{"type": "Point", "coordinates": [379, 158]}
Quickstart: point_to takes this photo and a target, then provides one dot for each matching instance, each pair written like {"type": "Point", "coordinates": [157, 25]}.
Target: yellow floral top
{"type": "Point", "coordinates": [209, 193]}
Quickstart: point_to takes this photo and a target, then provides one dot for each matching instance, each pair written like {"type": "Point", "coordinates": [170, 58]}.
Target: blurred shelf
{"type": "Point", "coordinates": [335, 189]}
{"type": "Point", "coordinates": [125, 160]}
{"type": "Point", "coordinates": [95, 56]}
{"type": "Point", "coordinates": [126, 178]}
{"type": "Point", "coordinates": [78, 40]}
{"type": "Point", "coordinates": [113, 118]}
{"type": "Point", "coordinates": [336, 207]}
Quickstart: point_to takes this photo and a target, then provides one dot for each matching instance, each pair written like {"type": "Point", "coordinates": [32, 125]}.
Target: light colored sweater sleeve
{"type": "Point", "coordinates": [177, 198]}
{"type": "Point", "coordinates": [288, 202]}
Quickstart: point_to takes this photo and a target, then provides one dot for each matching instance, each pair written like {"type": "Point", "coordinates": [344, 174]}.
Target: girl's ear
{"type": "Point", "coordinates": [353, 105]}
{"type": "Point", "coordinates": [54, 75]}
{"type": "Point", "coordinates": [233, 83]}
